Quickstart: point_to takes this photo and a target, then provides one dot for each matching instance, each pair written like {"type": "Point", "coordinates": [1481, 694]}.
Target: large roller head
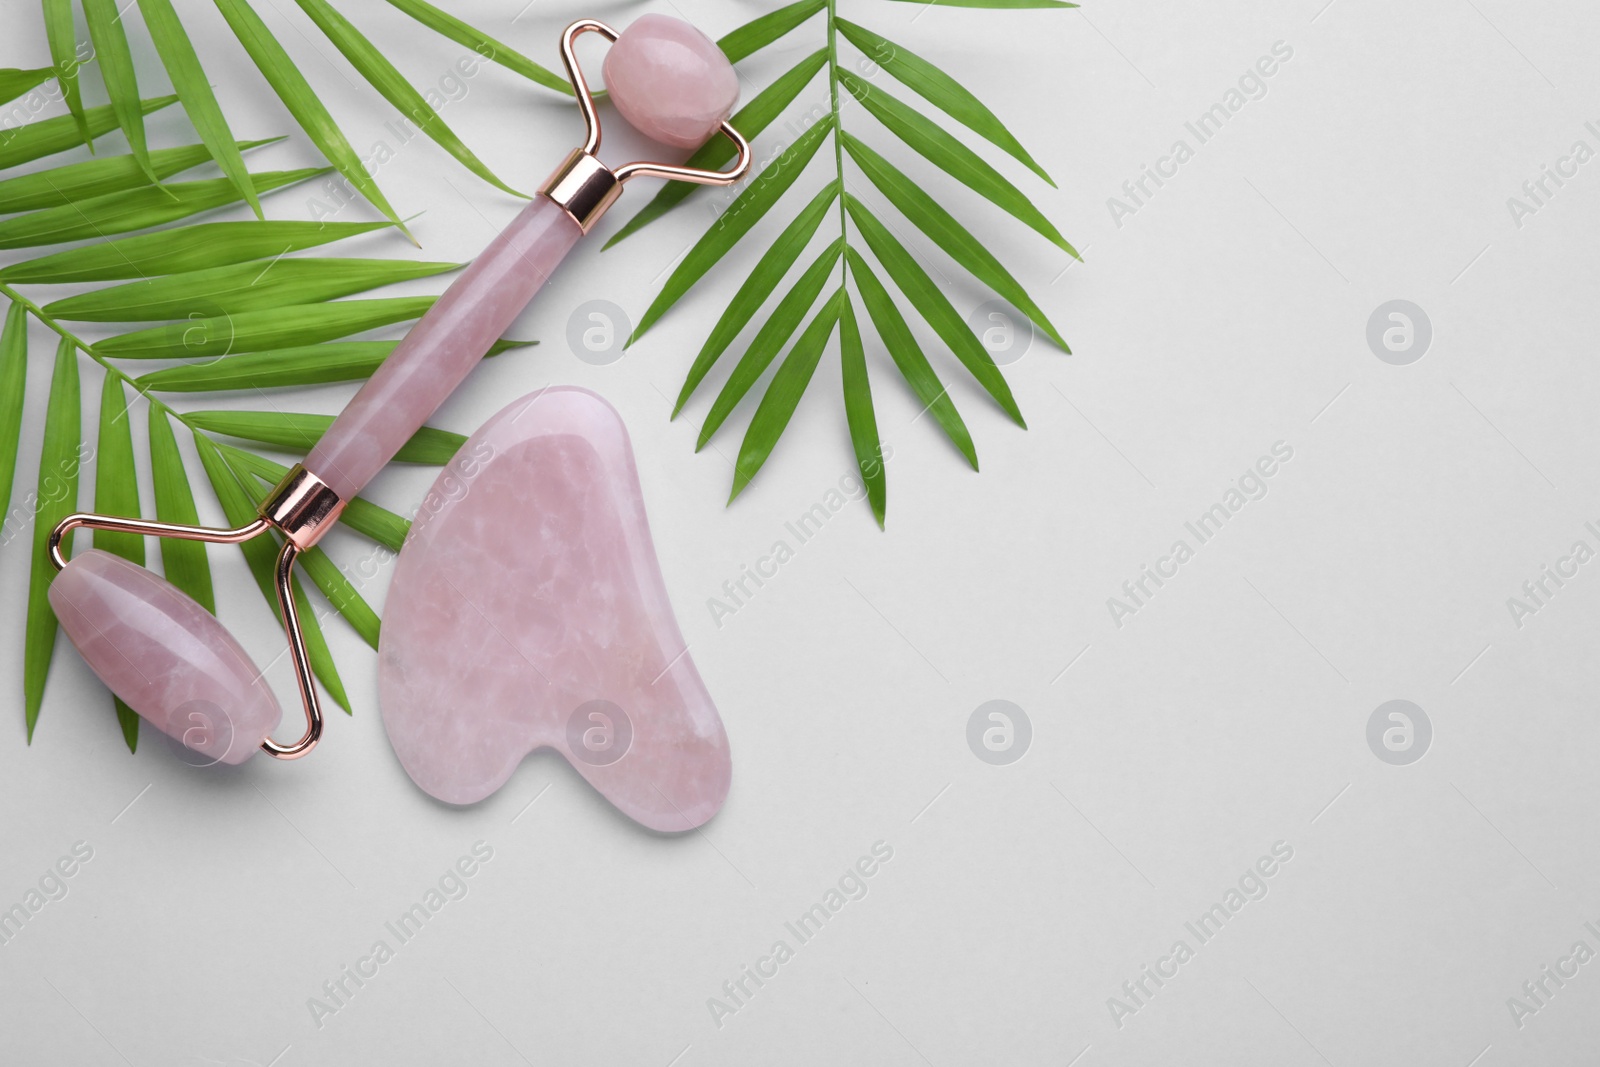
{"type": "Point", "coordinates": [670, 81]}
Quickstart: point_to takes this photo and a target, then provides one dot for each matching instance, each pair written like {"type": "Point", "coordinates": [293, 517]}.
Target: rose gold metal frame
{"type": "Point", "coordinates": [585, 187]}
{"type": "Point", "coordinates": [301, 509]}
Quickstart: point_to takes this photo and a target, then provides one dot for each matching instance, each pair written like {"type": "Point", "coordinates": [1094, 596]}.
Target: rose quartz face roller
{"type": "Point", "coordinates": [171, 660]}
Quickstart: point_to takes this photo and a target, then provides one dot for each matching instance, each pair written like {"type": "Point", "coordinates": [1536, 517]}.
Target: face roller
{"type": "Point", "coordinates": [171, 660]}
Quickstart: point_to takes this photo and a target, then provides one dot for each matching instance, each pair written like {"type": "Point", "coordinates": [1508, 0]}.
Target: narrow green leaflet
{"type": "Point", "coordinates": [13, 389]}
{"type": "Point", "coordinates": [770, 339]}
{"type": "Point", "coordinates": [750, 121]}
{"type": "Point", "coordinates": [858, 410]}
{"type": "Point", "coordinates": [14, 82]}
{"type": "Point", "coordinates": [184, 563]}
{"type": "Point", "coordinates": [206, 244]}
{"type": "Point", "coordinates": [297, 432]}
{"type": "Point", "coordinates": [774, 264]}
{"type": "Point", "coordinates": [116, 492]}
{"type": "Point", "coordinates": [62, 35]}
{"type": "Point", "coordinates": [783, 395]}
{"type": "Point", "coordinates": [934, 306]}
{"type": "Point", "coordinates": [953, 157]}
{"type": "Point", "coordinates": [261, 554]}
{"type": "Point", "coordinates": [303, 103]}
{"type": "Point", "coordinates": [49, 136]}
{"type": "Point", "coordinates": [360, 514]}
{"type": "Point", "coordinates": [140, 209]}
{"type": "Point", "coordinates": [939, 89]}
{"type": "Point", "coordinates": [59, 460]}
{"type": "Point", "coordinates": [194, 89]}
{"type": "Point", "coordinates": [907, 355]}
{"type": "Point", "coordinates": [382, 75]}
{"type": "Point", "coordinates": [444, 23]}
{"type": "Point", "coordinates": [760, 32]}
{"type": "Point", "coordinates": [340, 361]}
{"type": "Point", "coordinates": [379, 524]}
{"type": "Point", "coordinates": [257, 331]}
{"type": "Point", "coordinates": [116, 67]}
{"type": "Point", "coordinates": [116, 486]}
{"type": "Point", "coordinates": [748, 209]}
{"type": "Point", "coordinates": [241, 287]}
{"type": "Point", "coordinates": [947, 233]}
{"type": "Point", "coordinates": [97, 177]}
{"type": "Point", "coordinates": [341, 594]}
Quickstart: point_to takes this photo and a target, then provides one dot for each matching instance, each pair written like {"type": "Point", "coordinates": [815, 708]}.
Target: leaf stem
{"type": "Point", "coordinates": [838, 131]}
{"type": "Point", "coordinates": [83, 346]}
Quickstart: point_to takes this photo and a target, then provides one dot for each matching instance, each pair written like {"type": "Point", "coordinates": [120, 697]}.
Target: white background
{"type": "Point", "coordinates": [1168, 754]}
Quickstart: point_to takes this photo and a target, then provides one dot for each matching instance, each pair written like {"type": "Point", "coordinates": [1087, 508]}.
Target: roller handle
{"type": "Point", "coordinates": [443, 347]}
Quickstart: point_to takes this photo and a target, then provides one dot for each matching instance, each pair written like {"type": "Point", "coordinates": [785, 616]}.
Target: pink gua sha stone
{"type": "Point", "coordinates": [166, 656]}
{"type": "Point", "coordinates": [670, 81]}
{"type": "Point", "coordinates": [528, 611]}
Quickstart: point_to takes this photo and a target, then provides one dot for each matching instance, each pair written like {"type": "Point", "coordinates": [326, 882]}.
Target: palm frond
{"type": "Point", "coordinates": [861, 230]}
{"type": "Point", "coordinates": [210, 306]}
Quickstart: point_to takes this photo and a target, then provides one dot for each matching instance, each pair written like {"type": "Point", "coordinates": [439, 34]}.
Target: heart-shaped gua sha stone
{"type": "Point", "coordinates": [528, 611]}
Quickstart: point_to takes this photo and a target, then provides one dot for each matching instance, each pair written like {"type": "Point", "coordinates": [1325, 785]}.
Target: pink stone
{"type": "Point", "coordinates": [670, 81]}
{"type": "Point", "coordinates": [167, 657]}
{"type": "Point", "coordinates": [441, 350]}
{"type": "Point", "coordinates": [528, 611]}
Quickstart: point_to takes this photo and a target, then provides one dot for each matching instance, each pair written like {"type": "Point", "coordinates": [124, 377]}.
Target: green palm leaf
{"type": "Point", "coordinates": [953, 157]}
{"type": "Point", "coordinates": [325, 574]}
{"type": "Point", "coordinates": [116, 492]}
{"type": "Point", "coordinates": [783, 395]}
{"type": "Point", "coordinates": [257, 331]}
{"type": "Point", "coordinates": [858, 411]}
{"type": "Point", "coordinates": [13, 391]}
{"type": "Point", "coordinates": [98, 177]}
{"type": "Point", "coordinates": [774, 264]}
{"type": "Point", "coordinates": [372, 65]}
{"type": "Point", "coordinates": [750, 121]}
{"type": "Point", "coordinates": [298, 433]}
{"type": "Point", "coordinates": [197, 247]}
{"type": "Point", "coordinates": [189, 79]}
{"type": "Point", "coordinates": [116, 486]}
{"type": "Point", "coordinates": [49, 136]}
{"type": "Point", "coordinates": [241, 287]}
{"type": "Point", "coordinates": [116, 67]}
{"type": "Point", "coordinates": [770, 339]}
{"type": "Point", "coordinates": [59, 461]}
{"type": "Point", "coordinates": [14, 82]}
{"type": "Point", "coordinates": [946, 232]}
{"type": "Point", "coordinates": [939, 89]}
{"type": "Point", "coordinates": [444, 23]}
{"type": "Point", "coordinates": [140, 209]}
{"type": "Point", "coordinates": [303, 103]}
{"type": "Point", "coordinates": [760, 32]}
{"type": "Point", "coordinates": [184, 563]}
{"type": "Point", "coordinates": [907, 355]}
{"type": "Point", "coordinates": [62, 36]}
{"type": "Point", "coordinates": [934, 307]}
{"type": "Point", "coordinates": [340, 361]}
{"type": "Point", "coordinates": [747, 210]}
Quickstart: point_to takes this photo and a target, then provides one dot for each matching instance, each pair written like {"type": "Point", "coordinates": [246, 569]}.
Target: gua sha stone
{"type": "Point", "coordinates": [166, 656]}
{"type": "Point", "coordinates": [670, 81]}
{"type": "Point", "coordinates": [528, 611]}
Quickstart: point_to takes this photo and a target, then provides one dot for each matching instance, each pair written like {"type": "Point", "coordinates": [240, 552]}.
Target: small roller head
{"type": "Point", "coordinates": [670, 81]}
{"type": "Point", "coordinates": [167, 657]}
